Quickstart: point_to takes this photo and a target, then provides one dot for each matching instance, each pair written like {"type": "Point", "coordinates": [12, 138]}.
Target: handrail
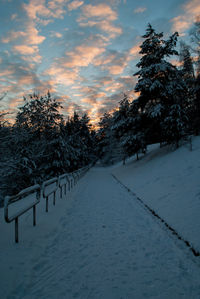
{"type": "Point", "coordinates": [47, 193]}
{"type": "Point", "coordinates": [12, 199]}
{"type": "Point", "coordinates": [68, 178]}
{"type": "Point", "coordinates": [63, 180]}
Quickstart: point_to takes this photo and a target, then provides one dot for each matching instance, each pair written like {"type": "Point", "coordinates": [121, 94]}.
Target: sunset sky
{"type": "Point", "coordinates": [84, 52]}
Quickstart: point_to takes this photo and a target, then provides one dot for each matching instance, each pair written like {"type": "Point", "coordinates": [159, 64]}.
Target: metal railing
{"type": "Point", "coordinates": [46, 190]}
{"type": "Point", "coordinates": [12, 199]}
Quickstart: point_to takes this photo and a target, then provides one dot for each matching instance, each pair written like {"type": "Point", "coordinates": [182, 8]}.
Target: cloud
{"type": "Point", "coordinates": [82, 55]}
{"type": "Point", "coordinates": [31, 35]}
{"type": "Point", "coordinates": [56, 34]}
{"type": "Point", "coordinates": [99, 11]}
{"type": "Point", "coordinates": [12, 36]}
{"type": "Point", "coordinates": [101, 16]}
{"type": "Point", "coordinates": [140, 10]}
{"type": "Point", "coordinates": [25, 50]}
{"type": "Point", "coordinates": [40, 11]}
{"type": "Point", "coordinates": [116, 62]}
{"type": "Point", "coordinates": [61, 75]}
{"type": "Point", "coordinates": [183, 22]}
{"type": "Point", "coordinates": [74, 5]}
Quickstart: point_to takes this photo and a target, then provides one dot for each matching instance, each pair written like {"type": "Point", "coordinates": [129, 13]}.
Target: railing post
{"type": "Point", "coordinates": [16, 230]}
{"type": "Point", "coordinates": [65, 189]}
{"type": "Point", "coordinates": [34, 215]}
{"type": "Point", "coordinates": [54, 198]}
{"type": "Point", "coordinates": [60, 191]}
{"type": "Point", "coordinates": [47, 204]}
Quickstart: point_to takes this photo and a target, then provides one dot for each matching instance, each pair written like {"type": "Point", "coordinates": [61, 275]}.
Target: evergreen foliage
{"type": "Point", "coordinates": [41, 145]}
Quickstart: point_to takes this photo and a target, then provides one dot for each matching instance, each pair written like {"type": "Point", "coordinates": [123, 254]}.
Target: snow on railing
{"type": "Point", "coordinates": [13, 199]}
{"type": "Point", "coordinates": [53, 183]}
{"type": "Point", "coordinates": [46, 190]}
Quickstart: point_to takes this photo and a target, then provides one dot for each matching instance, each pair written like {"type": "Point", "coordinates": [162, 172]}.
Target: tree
{"type": "Point", "coordinates": [133, 138]}
{"type": "Point", "coordinates": [119, 118]}
{"type": "Point", "coordinates": [195, 115]}
{"type": "Point", "coordinates": [39, 114]}
{"type": "Point", "coordinates": [159, 82]}
{"type": "Point", "coordinates": [195, 39]}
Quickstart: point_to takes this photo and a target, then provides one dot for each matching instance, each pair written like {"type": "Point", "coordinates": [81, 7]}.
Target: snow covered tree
{"type": "Point", "coordinates": [195, 39]}
{"type": "Point", "coordinates": [119, 119]}
{"type": "Point", "coordinates": [187, 68]}
{"type": "Point", "coordinates": [159, 82]}
{"type": "Point", "coordinates": [80, 137]}
{"type": "Point", "coordinates": [39, 114]}
{"type": "Point", "coordinates": [133, 137]}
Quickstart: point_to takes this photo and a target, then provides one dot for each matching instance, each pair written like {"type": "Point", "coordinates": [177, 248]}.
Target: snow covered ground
{"type": "Point", "coordinates": [99, 242]}
{"type": "Point", "coordinates": [169, 182]}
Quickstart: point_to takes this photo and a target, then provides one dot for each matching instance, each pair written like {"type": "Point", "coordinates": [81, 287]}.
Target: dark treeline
{"type": "Point", "coordinates": [41, 144]}
{"type": "Point", "coordinates": [168, 106]}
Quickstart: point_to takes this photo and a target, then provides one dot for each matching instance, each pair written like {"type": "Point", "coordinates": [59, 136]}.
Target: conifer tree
{"type": "Point", "coordinates": [159, 82]}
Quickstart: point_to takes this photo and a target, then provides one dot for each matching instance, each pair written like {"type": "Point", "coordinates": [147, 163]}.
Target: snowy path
{"type": "Point", "coordinates": [107, 247]}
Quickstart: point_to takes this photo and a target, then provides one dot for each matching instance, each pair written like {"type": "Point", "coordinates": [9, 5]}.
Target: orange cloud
{"type": "Point", "coordinates": [6, 73]}
{"type": "Point", "coordinates": [25, 50]}
{"type": "Point", "coordinates": [30, 36]}
{"type": "Point", "coordinates": [13, 35]}
{"type": "Point", "coordinates": [74, 5]}
{"type": "Point", "coordinates": [116, 69]}
{"type": "Point", "coordinates": [82, 55]}
{"type": "Point", "coordinates": [184, 21]}
{"type": "Point", "coordinates": [101, 16]}
{"type": "Point", "coordinates": [104, 60]}
{"type": "Point", "coordinates": [39, 10]}
{"type": "Point", "coordinates": [56, 34]}
{"type": "Point", "coordinates": [114, 87]}
{"type": "Point", "coordinates": [99, 11]}
{"type": "Point", "coordinates": [140, 9]}
{"type": "Point", "coordinates": [134, 51]}
{"type": "Point", "coordinates": [61, 75]}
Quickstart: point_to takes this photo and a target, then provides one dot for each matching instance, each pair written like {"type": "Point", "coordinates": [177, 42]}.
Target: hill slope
{"type": "Point", "coordinates": [169, 182]}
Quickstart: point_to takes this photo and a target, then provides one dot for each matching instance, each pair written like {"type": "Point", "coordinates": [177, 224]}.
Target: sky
{"type": "Point", "coordinates": [84, 52]}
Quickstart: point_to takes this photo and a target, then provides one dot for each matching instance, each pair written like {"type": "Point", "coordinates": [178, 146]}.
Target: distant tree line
{"type": "Point", "coordinates": [41, 144]}
{"type": "Point", "coordinates": [168, 106]}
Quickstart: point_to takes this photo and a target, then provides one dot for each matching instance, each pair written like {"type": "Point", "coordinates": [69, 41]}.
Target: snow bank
{"type": "Point", "coordinates": [168, 181]}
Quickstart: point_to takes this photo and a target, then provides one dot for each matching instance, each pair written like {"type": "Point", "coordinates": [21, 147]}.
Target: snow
{"type": "Point", "coordinates": [168, 182]}
{"type": "Point", "coordinates": [99, 242]}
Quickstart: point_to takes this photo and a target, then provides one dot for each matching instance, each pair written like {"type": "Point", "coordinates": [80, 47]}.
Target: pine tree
{"type": "Point", "coordinates": [119, 119]}
{"type": "Point", "coordinates": [133, 138]}
{"type": "Point", "coordinates": [195, 38]}
{"type": "Point", "coordinates": [159, 82]}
